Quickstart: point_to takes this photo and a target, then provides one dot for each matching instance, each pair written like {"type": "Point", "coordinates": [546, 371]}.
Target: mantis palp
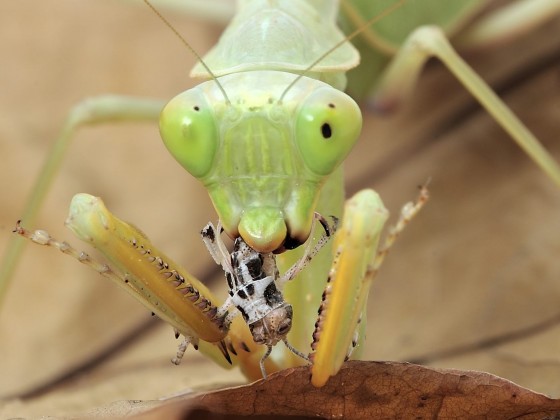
{"type": "Point", "coordinates": [206, 217]}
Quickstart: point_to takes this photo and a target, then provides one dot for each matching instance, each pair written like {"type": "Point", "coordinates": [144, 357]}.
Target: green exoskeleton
{"type": "Point", "coordinates": [267, 144]}
{"type": "Point", "coordinates": [270, 157]}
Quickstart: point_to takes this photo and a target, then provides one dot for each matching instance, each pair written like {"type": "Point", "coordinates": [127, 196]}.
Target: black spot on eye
{"type": "Point", "coordinates": [326, 131]}
{"type": "Point", "coordinates": [331, 105]}
{"type": "Point", "coordinates": [196, 108]}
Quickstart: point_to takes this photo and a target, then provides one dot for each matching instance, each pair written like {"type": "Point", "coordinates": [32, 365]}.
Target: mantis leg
{"type": "Point", "coordinates": [510, 21]}
{"type": "Point", "coordinates": [357, 260]}
{"type": "Point", "coordinates": [158, 283]}
{"type": "Point", "coordinates": [97, 110]}
{"type": "Point", "coordinates": [430, 41]}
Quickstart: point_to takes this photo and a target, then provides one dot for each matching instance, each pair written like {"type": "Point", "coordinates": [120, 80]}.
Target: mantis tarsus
{"type": "Point", "coordinates": [205, 217]}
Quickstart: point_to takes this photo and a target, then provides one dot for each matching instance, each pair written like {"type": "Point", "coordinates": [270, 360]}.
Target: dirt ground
{"type": "Point", "coordinates": [477, 273]}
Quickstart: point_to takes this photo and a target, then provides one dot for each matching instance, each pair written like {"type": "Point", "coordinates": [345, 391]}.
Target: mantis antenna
{"type": "Point", "coordinates": [353, 35]}
{"type": "Point", "coordinates": [191, 49]}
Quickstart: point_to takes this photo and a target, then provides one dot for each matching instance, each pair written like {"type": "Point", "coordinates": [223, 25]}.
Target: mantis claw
{"type": "Point", "coordinates": [357, 260]}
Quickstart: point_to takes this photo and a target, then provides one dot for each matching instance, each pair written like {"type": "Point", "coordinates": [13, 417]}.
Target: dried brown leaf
{"type": "Point", "coordinates": [365, 390]}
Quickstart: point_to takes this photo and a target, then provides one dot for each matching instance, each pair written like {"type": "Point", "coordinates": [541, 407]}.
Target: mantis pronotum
{"type": "Point", "coordinates": [207, 217]}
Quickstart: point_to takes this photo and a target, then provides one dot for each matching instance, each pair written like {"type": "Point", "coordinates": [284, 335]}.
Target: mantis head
{"type": "Point", "coordinates": [263, 159]}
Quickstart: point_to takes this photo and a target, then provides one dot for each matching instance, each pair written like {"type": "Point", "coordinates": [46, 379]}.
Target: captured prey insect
{"type": "Point", "coordinates": [255, 286]}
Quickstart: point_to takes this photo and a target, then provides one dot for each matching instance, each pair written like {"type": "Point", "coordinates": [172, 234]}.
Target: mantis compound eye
{"type": "Point", "coordinates": [327, 127]}
{"type": "Point", "coordinates": [188, 129]}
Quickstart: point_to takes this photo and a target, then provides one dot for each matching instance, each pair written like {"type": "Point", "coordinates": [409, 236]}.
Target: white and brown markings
{"type": "Point", "coordinates": [255, 286]}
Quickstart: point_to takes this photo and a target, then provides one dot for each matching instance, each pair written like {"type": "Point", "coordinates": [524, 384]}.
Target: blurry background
{"type": "Point", "coordinates": [480, 263]}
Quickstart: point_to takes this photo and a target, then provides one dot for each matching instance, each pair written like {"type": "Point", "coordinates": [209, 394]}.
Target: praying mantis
{"type": "Point", "coordinates": [195, 230]}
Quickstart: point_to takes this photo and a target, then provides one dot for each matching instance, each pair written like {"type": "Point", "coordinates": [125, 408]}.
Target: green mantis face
{"type": "Point", "coordinates": [263, 161]}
